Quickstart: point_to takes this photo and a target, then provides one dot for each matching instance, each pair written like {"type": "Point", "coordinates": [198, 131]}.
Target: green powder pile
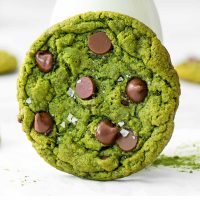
{"type": "Point", "coordinates": [8, 62]}
{"type": "Point", "coordinates": [189, 70]}
{"type": "Point", "coordinates": [182, 162]}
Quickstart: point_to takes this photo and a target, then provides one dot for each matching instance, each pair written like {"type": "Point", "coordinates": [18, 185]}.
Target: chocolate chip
{"type": "Point", "coordinates": [106, 132]}
{"type": "Point", "coordinates": [136, 90]}
{"type": "Point", "coordinates": [44, 60]}
{"type": "Point", "coordinates": [124, 102]}
{"type": "Point", "coordinates": [104, 157]}
{"type": "Point", "coordinates": [193, 59]}
{"type": "Point", "coordinates": [99, 43]}
{"type": "Point", "coordinates": [19, 120]}
{"type": "Point", "coordinates": [43, 123]}
{"type": "Point", "coordinates": [127, 143]}
{"type": "Point", "coordinates": [85, 87]}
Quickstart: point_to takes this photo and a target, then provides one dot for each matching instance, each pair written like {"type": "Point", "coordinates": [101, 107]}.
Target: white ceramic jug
{"type": "Point", "coordinates": [143, 10]}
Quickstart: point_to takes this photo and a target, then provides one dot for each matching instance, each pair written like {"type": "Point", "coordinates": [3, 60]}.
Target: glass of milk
{"type": "Point", "coordinates": [143, 10]}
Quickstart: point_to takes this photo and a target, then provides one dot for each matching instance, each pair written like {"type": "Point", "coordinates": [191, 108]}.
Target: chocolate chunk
{"type": "Point", "coordinates": [106, 132]}
{"type": "Point", "coordinates": [19, 120]}
{"type": "Point", "coordinates": [193, 59]}
{"type": "Point", "coordinates": [104, 157]}
{"type": "Point", "coordinates": [127, 143]}
{"type": "Point", "coordinates": [99, 43]}
{"type": "Point", "coordinates": [44, 60]}
{"type": "Point", "coordinates": [137, 90]}
{"type": "Point", "coordinates": [85, 87]}
{"type": "Point", "coordinates": [124, 102]}
{"type": "Point", "coordinates": [43, 123]}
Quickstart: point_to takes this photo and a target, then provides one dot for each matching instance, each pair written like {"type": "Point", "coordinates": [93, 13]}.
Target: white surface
{"type": "Point", "coordinates": [144, 10]}
{"type": "Point", "coordinates": [18, 28]}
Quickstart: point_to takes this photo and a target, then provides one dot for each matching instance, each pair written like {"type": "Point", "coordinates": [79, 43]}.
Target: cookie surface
{"type": "Point", "coordinates": [8, 62]}
{"type": "Point", "coordinates": [98, 95]}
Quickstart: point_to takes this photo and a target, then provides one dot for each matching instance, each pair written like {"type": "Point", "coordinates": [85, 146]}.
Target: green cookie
{"type": "Point", "coordinates": [98, 95]}
{"type": "Point", "coordinates": [8, 62]}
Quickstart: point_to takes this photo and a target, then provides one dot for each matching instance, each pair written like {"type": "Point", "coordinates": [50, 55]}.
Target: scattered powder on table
{"type": "Point", "coordinates": [19, 177]}
{"type": "Point", "coordinates": [188, 162]}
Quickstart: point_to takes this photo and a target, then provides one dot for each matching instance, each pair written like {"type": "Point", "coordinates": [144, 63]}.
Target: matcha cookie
{"type": "Point", "coordinates": [8, 62]}
{"type": "Point", "coordinates": [98, 95]}
{"type": "Point", "coordinates": [189, 70]}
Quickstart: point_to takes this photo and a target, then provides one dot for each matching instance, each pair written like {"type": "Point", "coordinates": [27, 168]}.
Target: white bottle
{"type": "Point", "coordinates": [143, 10]}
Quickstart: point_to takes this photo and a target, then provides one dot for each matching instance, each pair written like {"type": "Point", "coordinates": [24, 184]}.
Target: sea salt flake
{"type": "Point", "coordinates": [79, 81]}
{"type": "Point", "coordinates": [60, 134]}
{"type": "Point", "coordinates": [28, 100]}
{"type": "Point", "coordinates": [69, 117]}
{"type": "Point", "coordinates": [124, 132]}
{"type": "Point", "coordinates": [74, 120]}
{"type": "Point", "coordinates": [121, 124]}
{"type": "Point", "coordinates": [62, 124]}
{"type": "Point", "coordinates": [58, 140]}
{"type": "Point", "coordinates": [70, 92]}
{"type": "Point", "coordinates": [120, 79]}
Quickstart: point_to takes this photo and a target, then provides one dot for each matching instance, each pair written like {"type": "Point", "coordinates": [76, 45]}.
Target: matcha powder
{"type": "Point", "coordinates": [185, 163]}
{"type": "Point", "coordinates": [8, 62]}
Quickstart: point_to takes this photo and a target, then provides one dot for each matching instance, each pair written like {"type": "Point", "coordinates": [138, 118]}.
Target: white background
{"type": "Point", "coordinates": [24, 173]}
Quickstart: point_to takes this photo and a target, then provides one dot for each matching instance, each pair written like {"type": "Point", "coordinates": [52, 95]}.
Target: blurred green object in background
{"type": "Point", "coordinates": [189, 70]}
{"type": "Point", "coordinates": [8, 62]}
